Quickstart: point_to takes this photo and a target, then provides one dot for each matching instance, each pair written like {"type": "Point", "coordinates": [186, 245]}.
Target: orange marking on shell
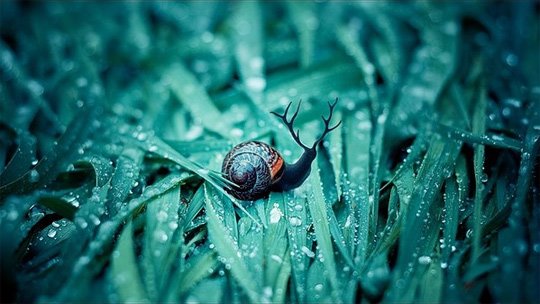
{"type": "Point", "coordinates": [276, 166]}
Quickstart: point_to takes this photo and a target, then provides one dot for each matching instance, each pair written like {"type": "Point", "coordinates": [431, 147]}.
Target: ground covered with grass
{"type": "Point", "coordinates": [115, 118]}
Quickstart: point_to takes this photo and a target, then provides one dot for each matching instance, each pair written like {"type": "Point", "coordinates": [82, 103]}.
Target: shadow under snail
{"type": "Point", "coordinates": [256, 168]}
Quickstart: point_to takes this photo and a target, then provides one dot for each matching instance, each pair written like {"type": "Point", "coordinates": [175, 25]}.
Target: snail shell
{"type": "Point", "coordinates": [254, 167]}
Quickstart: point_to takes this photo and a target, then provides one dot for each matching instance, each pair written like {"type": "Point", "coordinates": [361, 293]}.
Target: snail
{"type": "Point", "coordinates": [255, 168]}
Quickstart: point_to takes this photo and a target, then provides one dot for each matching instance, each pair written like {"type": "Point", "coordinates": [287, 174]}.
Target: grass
{"type": "Point", "coordinates": [115, 118]}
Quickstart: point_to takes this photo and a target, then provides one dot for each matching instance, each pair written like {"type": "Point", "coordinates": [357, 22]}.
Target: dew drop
{"type": "Point", "coordinates": [424, 260]}
{"type": "Point", "coordinates": [12, 215]}
{"type": "Point", "coordinates": [484, 178]}
{"type": "Point", "coordinates": [307, 252]}
{"type": "Point", "coordinates": [275, 214]}
{"type": "Point", "coordinates": [34, 176]}
{"type": "Point", "coordinates": [295, 221]}
{"type": "Point", "coordinates": [256, 84]}
{"type": "Point", "coordinates": [51, 233]}
{"type": "Point", "coordinates": [511, 59]}
{"type": "Point", "coordinates": [142, 136]}
{"type": "Point", "coordinates": [173, 225]}
{"type": "Point", "coordinates": [162, 216]}
{"type": "Point", "coordinates": [161, 236]}
{"type": "Point", "coordinates": [81, 223]}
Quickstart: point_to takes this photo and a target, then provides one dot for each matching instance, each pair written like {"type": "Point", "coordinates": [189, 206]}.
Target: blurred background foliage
{"type": "Point", "coordinates": [115, 117]}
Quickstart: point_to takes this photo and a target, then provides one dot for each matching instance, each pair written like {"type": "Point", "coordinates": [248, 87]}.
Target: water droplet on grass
{"type": "Point", "coordinates": [257, 84]}
{"type": "Point", "coordinates": [307, 252]}
{"type": "Point", "coordinates": [12, 215]}
{"type": "Point", "coordinates": [142, 136]}
{"type": "Point", "coordinates": [424, 260]}
{"type": "Point", "coordinates": [275, 214]}
{"type": "Point", "coordinates": [511, 59]}
{"type": "Point", "coordinates": [34, 176]}
{"type": "Point", "coordinates": [51, 233]}
{"type": "Point", "coordinates": [161, 236]}
{"type": "Point", "coordinates": [162, 216]}
{"type": "Point", "coordinates": [295, 221]}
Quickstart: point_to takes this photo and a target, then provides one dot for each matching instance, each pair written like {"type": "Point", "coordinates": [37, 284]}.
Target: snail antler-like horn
{"type": "Point", "coordinates": [326, 121]}
{"type": "Point", "coordinates": [290, 123]}
{"type": "Point", "coordinates": [296, 173]}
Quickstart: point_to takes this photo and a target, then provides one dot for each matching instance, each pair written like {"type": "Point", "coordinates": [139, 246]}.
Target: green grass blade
{"type": "Point", "coordinates": [302, 15]}
{"type": "Point", "coordinates": [101, 166]}
{"type": "Point", "coordinates": [378, 109]}
{"type": "Point", "coordinates": [200, 293]}
{"type": "Point", "coordinates": [124, 272]}
{"type": "Point", "coordinates": [161, 225]}
{"type": "Point", "coordinates": [200, 267]}
{"type": "Point", "coordinates": [249, 40]}
{"type": "Point", "coordinates": [319, 289]}
{"type": "Point", "coordinates": [250, 244]}
{"type": "Point", "coordinates": [193, 96]}
{"type": "Point", "coordinates": [21, 161]}
{"type": "Point", "coordinates": [297, 218]}
{"type": "Point", "coordinates": [478, 128]}
{"type": "Point", "coordinates": [276, 244]}
{"type": "Point", "coordinates": [318, 209]}
{"type": "Point", "coordinates": [357, 129]}
{"type": "Point", "coordinates": [451, 218]}
{"type": "Point", "coordinates": [282, 280]}
{"type": "Point", "coordinates": [125, 175]}
{"type": "Point", "coordinates": [315, 81]}
{"type": "Point", "coordinates": [494, 140]}
{"type": "Point", "coordinates": [336, 153]}
{"type": "Point", "coordinates": [431, 283]}
{"type": "Point", "coordinates": [194, 207]}
{"type": "Point", "coordinates": [227, 247]}
{"type": "Point", "coordinates": [60, 206]}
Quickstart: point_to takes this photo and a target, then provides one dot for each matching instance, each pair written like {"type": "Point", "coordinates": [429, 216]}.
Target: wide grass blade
{"type": "Point", "coordinates": [248, 47]}
{"type": "Point", "coordinates": [297, 225]}
{"type": "Point", "coordinates": [305, 22]}
{"type": "Point", "coordinates": [187, 89]}
{"type": "Point", "coordinates": [160, 245]}
{"type": "Point", "coordinates": [319, 213]}
{"type": "Point", "coordinates": [227, 247]}
{"type": "Point", "coordinates": [478, 128]}
{"type": "Point", "coordinates": [124, 271]}
{"type": "Point", "coordinates": [276, 247]}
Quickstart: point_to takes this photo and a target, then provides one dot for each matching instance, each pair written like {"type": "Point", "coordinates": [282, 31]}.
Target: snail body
{"type": "Point", "coordinates": [255, 168]}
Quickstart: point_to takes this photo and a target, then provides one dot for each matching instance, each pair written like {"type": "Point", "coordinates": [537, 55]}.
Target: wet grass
{"type": "Point", "coordinates": [114, 121]}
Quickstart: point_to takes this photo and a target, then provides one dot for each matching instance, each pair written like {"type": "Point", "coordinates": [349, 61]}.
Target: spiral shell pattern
{"type": "Point", "coordinates": [253, 166]}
